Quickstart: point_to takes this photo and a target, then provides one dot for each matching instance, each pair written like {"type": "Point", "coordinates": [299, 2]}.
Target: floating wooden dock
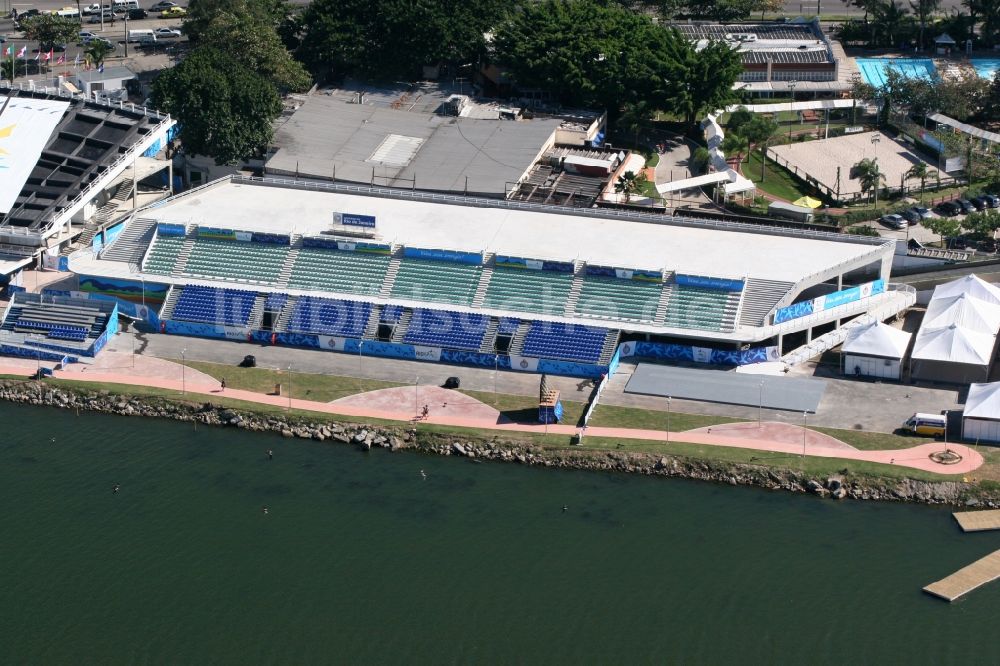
{"type": "Point", "coordinates": [967, 579]}
{"type": "Point", "coordinates": [978, 521]}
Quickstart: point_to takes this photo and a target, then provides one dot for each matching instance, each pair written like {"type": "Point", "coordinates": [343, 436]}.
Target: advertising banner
{"type": "Point", "coordinates": [330, 342]}
{"type": "Point", "coordinates": [704, 282]}
{"type": "Point", "coordinates": [216, 234]}
{"type": "Point", "coordinates": [523, 363]}
{"type": "Point", "coordinates": [455, 256]}
{"type": "Point", "coordinates": [354, 220]}
{"type": "Point", "coordinates": [164, 229]}
{"type": "Point", "coordinates": [427, 353]}
{"type": "Point", "coordinates": [244, 236]}
{"type": "Point", "coordinates": [702, 354]}
{"type": "Point", "coordinates": [233, 332]}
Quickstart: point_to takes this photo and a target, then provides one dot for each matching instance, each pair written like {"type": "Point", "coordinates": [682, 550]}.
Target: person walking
{"type": "Point", "coordinates": [223, 382]}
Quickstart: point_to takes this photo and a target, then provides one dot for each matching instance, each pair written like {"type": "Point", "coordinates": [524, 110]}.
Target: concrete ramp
{"type": "Point", "coordinates": [787, 393]}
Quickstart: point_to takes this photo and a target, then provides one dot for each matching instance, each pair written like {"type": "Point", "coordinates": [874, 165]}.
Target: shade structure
{"type": "Point", "coordinates": [981, 417]}
{"type": "Point", "coordinates": [952, 354]}
{"type": "Point", "coordinates": [875, 350]}
{"type": "Point", "coordinates": [808, 202]}
{"type": "Point", "coordinates": [970, 285]}
{"type": "Point", "coordinates": [965, 310]}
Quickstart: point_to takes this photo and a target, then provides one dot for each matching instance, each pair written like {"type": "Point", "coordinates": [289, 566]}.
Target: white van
{"type": "Point", "coordinates": [121, 6]}
{"type": "Point", "coordinates": [141, 36]}
{"type": "Point", "coordinates": [927, 424]}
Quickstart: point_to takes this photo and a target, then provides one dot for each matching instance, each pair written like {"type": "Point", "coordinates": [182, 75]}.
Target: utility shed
{"type": "Point", "coordinates": [875, 350]}
{"type": "Point", "coordinates": [981, 418]}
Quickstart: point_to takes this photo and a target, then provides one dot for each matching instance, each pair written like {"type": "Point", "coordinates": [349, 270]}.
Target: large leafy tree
{"type": "Point", "coordinates": [225, 108]}
{"type": "Point", "coordinates": [923, 9]}
{"type": "Point", "coordinates": [394, 38]}
{"type": "Point", "coordinates": [49, 30]}
{"type": "Point", "coordinates": [249, 28]}
{"type": "Point", "coordinates": [97, 50]}
{"type": "Point", "coordinates": [888, 18]}
{"type": "Point", "coordinates": [991, 101]}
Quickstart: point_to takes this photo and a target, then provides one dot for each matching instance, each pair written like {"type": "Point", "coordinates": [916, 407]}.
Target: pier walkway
{"type": "Point", "coordinates": [967, 579]}
{"type": "Point", "coordinates": [978, 521]}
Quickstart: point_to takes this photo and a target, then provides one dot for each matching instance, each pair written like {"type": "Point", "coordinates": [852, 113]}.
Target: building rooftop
{"type": "Point", "coordinates": [109, 74]}
{"type": "Point", "coordinates": [561, 234]}
{"type": "Point", "coordinates": [405, 141]}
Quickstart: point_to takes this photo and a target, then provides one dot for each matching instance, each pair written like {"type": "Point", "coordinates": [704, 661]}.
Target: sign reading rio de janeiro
{"type": "Point", "coordinates": [354, 220]}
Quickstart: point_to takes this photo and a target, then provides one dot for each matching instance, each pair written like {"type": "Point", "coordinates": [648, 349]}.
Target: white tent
{"type": "Point", "coordinates": [965, 310]}
{"type": "Point", "coordinates": [971, 285]}
{"type": "Point", "coordinates": [875, 350]}
{"type": "Point", "coordinates": [944, 39]}
{"type": "Point", "coordinates": [951, 354]}
{"type": "Point", "coordinates": [981, 418]}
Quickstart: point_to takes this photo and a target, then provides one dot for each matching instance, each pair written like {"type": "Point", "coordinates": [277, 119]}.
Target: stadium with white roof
{"type": "Point", "coordinates": [485, 282]}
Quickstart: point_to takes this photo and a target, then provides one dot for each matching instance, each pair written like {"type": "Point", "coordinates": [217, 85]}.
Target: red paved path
{"type": "Point", "coordinates": [152, 372]}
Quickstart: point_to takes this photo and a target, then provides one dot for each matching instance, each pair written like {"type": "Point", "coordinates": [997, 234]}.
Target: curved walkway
{"type": "Point", "coordinates": [156, 373]}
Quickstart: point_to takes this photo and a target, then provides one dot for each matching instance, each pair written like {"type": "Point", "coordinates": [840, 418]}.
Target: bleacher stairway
{"type": "Point", "coordinates": [402, 325]}
{"type": "Point", "coordinates": [517, 341]}
{"type": "Point", "coordinates": [759, 298]}
{"type": "Point", "coordinates": [579, 267]}
{"type": "Point", "coordinates": [484, 279]}
{"type": "Point", "coordinates": [490, 337]}
{"type": "Point", "coordinates": [132, 244]}
{"type": "Point", "coordinates": [610, 344]}
{"type": "Point", "coordinates": [293, 252]}
{"type": "Point", "coordinates": [661, 307]}
{"type": "Point", "coordinates": [391, 272]}
{"type": "Point", "coordinates": [182, 257]}
{"type": "Point", "coordinates": [257, 312]}
{"type": "Point", "coordinates": [167, 311]}
{"type": "Point", "coordinates": [371, 328]}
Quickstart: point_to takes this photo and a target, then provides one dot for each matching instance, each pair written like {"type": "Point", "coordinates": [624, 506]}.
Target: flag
{"type": "Point", "coordinates": [20, 54]}
{"type": "Point", "coordinates": [38, 55]}
{"type": "Point", "coordinates": [46, 56]}
{"type": "Point", "coordinates": [101, 68]}
{"type": "Point", "coordinates": [61, 60]}
{"type": "Point", "coordinates": [51, 54]}
{"type": "Point", "coordinates": [10, 51]}
{"type": "Point", "coordinates": [76, 61]}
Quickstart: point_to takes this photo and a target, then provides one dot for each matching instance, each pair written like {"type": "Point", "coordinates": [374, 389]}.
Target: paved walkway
{"type": "Point", "coordinates": [163, 374]}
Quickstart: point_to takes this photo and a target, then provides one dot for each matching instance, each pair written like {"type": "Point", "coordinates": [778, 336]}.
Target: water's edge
{"type": "Point", "coordinates": [502, 448]}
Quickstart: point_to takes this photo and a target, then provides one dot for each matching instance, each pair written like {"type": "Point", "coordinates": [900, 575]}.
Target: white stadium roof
{"type": "Point", "coordinates": [538, 233]}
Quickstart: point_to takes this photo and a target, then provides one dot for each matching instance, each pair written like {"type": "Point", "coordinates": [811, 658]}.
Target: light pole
{"type": "Point", "coordinates": [760, 404]}
{"type": "Point", "coordinates": [289, 388]}
{"type": "Point", "coordinates": [875, 141]}
{"type": "Point", "coordinates": [668, 419]}
{"type": "Point", "coordinates": [946, 431]}
{"type": "Point", "coordinates": [416, 399]}
{"type": "Point", "coordinates": [183, 366]}
{"type": "Point", "coordinates": [804, 414]}
{"type": "Point", "coordinates": [496, 370]}
{"type": "Point", "coordinates": [791, 87]}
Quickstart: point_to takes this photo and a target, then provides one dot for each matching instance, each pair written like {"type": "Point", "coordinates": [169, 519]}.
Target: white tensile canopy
{"type": "Point", "coordinates": [953, 344]}
{"type": "Point", "coordinates": [966, 311]}
{"type": "Point", "coordinates": [970, 285]}
{"type": "Point", "coordinates": [983, 401]}
{"type": "Point", "coordinates": [877, 339]}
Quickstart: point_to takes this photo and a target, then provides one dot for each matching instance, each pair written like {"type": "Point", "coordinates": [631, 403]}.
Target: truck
{"type": "Point", "coordinates": [926, 424]}
{"type": "Point", "coordinates": [787, 211]}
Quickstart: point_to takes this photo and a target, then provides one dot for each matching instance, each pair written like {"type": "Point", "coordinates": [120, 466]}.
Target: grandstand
{"type": "Point", "coordinates": [54, 327]}
{"type": "Point", "coordinates": [476, 280]}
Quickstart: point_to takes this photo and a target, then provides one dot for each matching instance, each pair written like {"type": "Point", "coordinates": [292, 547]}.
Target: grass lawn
{"type": "Point", "coordinates": [652, 159]}
{"type": "Point", "coordinates": [524, 408]}
{"type": "Point", "coordinates": [874, 441]}
{"type": "Point", "coordinates": [612, 416]}
{"type": "Point", "coordinates": [778, 181]}
{"type": "Point", "coordinates": [305, 386]}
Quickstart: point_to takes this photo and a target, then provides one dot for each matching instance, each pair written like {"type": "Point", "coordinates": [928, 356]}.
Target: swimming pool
{"type": "Point", "coordinates": [873, 69]}
{"type": "Point", "coordinates": [986, 67]}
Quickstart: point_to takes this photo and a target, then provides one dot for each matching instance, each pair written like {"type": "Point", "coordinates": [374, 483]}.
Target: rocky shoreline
{"type": "Point", "coordinates": [503, 449]}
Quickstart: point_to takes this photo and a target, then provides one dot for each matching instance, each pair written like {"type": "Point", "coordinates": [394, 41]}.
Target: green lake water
{"type": "Point", "coordinates": [361, 560]}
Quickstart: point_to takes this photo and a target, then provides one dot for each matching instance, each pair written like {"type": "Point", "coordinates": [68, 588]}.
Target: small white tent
{"type": "Point", "coordinates": [951, 354]}
{"type": "Point", "coordinates": [981, 418]}
{"type": "Point", "coordinates": [875, 350]}
{"type": "Point", "coordinates": [966, 311]}
{"type": "Point", "coordinates": [970, 285]}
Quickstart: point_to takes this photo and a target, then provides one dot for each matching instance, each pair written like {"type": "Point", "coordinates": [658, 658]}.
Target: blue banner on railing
{"type": "Point", "coordinates": [705, 282]}
{"type": "Point", "coordinates": [829, 301]}
{"type": "Point", "coordinates": [164, 229]}
{"type": "Point", "coordinates": [503, 261]}
{"type": "Point", "coordinates": [219, 234]}
{"type": "Point", "coordinates": [354, 220]}
{"type": "Point", "coordinates": [270, 239]}
{"type": "Point", "coordinates": [454, 256]}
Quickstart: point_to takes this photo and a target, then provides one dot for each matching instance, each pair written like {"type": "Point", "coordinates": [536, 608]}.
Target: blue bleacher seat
{"type": "Point", "coordinates": [508, 326]}
{"type": "Point", "coordinates": [391, 314]}
{"type": "Point", "coordinates": [564, 341]}
{"type": "Point", "coordinates": [444, 328]}
{"type": "Point", "coordinates": [328, 316]}
{"type": "Point", "coordinates": [275, 302]}
{"type": "Point", "coordinates": [229, 307]}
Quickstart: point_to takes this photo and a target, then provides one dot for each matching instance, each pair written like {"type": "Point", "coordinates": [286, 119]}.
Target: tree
{"type": "Point", "coordinates": [923, 10]}
{"type": "Point", "coordinates": [49, 30]}
{"type": "Point", "coordinates": [250, 28]}
{"type": "Point", "coordinates": [983, 224]}
{"type": "Point", "coordinates": [700, 81]}
{"type": "Point", "coordinates": [629, 183]}
{"type": "Point", "coordinates": [991, 101]}
{"type": "Point", "coordinates": [870, 177]}
{"type": "Point", "coordinates": [943, 226]}
{"type": "Point", "coordinates": [919, 171]}
{"type": "Point", "coordinates": [395, 38]}
{"type": "Point", "coordinates": [887, 18]}
{"type": "Point", "coordinates": [97, 50]}
{"type": "Point", "coordinates": [224, 108]}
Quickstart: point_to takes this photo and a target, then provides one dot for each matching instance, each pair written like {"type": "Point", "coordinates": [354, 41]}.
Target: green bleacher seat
{"type": "Point", "coordinates": [338, 270]}
{"type": "Point", "coordinates": [441, 281]}
{"type": "Point", "coordinates": [162, 254]}
{"type": "Point", "coordinates": [236, 260]}
{"type": "Point", "coordinates": [617, 298]}
{"type": "Point", "coordinates": [529, 290]}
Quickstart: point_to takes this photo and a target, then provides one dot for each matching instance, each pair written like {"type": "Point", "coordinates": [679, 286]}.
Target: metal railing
{"type": "Point", "coordinates": [840, 311]}
{"type": "Point", "coordinates": [55, 91]}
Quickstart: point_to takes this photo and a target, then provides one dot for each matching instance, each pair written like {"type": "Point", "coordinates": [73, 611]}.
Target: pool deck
{"type": "Point", "coordinates": [967, 579]}
{"type": "Point", "coordinates": [978, 521]}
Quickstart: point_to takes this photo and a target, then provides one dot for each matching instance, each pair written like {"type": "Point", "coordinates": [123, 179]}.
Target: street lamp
{"type": "Point", "coordinates": [668, 419]}
{"type": "Point", "coordinates": [876, 138]}
{"type": "Point", "coordinates": [760, 403]}
{"type": "Point", "coordinates": [183, 365]}
{"type": "Point", "coordinates": [804, 414]}
{"type": "Point", "coordinates": [416, 399]}
{"type": "Point", "coordinates": [289, 388]}
{"type": "Point", "coordinates": [791, 88]}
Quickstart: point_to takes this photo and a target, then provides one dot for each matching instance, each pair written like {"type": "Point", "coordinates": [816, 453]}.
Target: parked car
{"type": "Point", "coordinates": [137, 14]}
{"type": "Point", "coordinates": [85, 37]}
{"type": "Point", "coordinates": [966, 206]}
{"type": "Point", "coordinates": [988, 245]}
{"type": "Point", "coordinates": [161, 7]}
{"type": "Point", "coordinates": [90, 10]}
{"type": "Point", "coordinates": [908, 215]}
{"type": "Point", "coordinates": [979, 203]}
{"type": "Point", "coordinates": [923, 213]}
{"type": "Point", "coordinates": [893, 221]}
{"type": "Point", "coordinates": [167, 33]}
{"type": "Point", "coordinates": [993, 200]}
{"type": "Point", "coordinates": [957, 243]}
{"type": "Point", "coordinates": [109, 17]}
{"type": "Point", "coordinates": [949, 208]}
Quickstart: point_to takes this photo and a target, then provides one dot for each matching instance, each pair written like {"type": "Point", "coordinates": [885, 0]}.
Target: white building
{"type": "Point", "coordinates": [981, 419]}
{"type": "Point", "coordinates": [875, 350]}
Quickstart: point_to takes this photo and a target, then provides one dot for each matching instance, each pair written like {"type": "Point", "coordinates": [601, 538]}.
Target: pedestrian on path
{"type": "Point", "coordinates": [223, 382]}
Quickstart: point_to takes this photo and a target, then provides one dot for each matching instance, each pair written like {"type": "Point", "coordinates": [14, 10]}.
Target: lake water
{"type": "Point", "coordinates": [361, 560]}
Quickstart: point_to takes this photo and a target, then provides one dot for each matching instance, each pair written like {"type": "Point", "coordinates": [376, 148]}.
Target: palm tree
{"type": "Point", "coordinates": [870, 176]}
{"type": "Point", "coordinates": [97, 50]}
{"type": "Point", "coordinates": [629, 183]}
{"type": "Point", "coordinates": [920, 171]}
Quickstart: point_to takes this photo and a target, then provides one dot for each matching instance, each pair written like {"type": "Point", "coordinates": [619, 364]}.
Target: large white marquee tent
{"type": "Point", "coordinates": [981, 418]}
{"type": "Point", "coordinates": [875, 350]}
